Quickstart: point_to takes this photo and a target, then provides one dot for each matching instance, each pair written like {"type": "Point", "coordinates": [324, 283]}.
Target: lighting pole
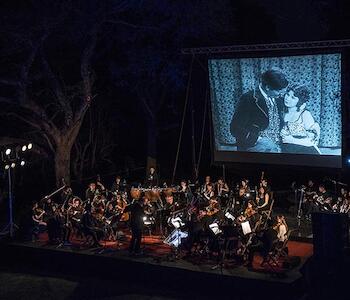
{"type": "Point", "coordinates": [11, 163]}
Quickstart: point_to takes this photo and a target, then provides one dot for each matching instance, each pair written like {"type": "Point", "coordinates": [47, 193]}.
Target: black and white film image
{"type": "Point", "coordinates": [277, 104]}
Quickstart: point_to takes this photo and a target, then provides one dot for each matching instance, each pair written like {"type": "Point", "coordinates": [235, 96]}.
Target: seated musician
{"type": "Point", "coordinates": [340, 200]}
{"type": "Point", "coordinates": [263, 200]}
{"type": "Point", "coordinates": [209, 193]}
{"type": "Point", "coordinates": [185, 193]}
{"type": "Point", "coordinates": [243, 194]}
{"type": "Point", "coordinates": [323, 199]}
{"type": "Point", "coordinates": [204, 187]}
{"type": "Point", "coordinates": [67, 195]}
{"type": "Point", "coordinates": [75, 212]}
{"type": "Point", "coordinates": [345, 205]}
{"type": "Point", "coordinates": [151, 178]}
{"type": "Point", "coordinates": [38, 221]}
{"type": "Point", "coordinates": [308, 205]}
{"type": "Point", "coordinates": [264, 244]}
{"type": "Point", "coordinates": [91, 192]}
{"type": "Point", "coordinates": [117, 185]}
{"type": "Point", "coordinates": [90, 228]}
{"type": "Point", "coordinates": [213, 209]}
{"type": "Point", "coordinates": [222, 190]}
{"type": "Point", "coordinates": [282, 228]}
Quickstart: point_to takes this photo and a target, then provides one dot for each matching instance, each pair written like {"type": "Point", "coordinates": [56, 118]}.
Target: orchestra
{"type": "Point", "coordinates": [212, 213]}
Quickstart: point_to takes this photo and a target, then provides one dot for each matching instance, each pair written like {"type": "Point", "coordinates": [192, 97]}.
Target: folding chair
{"type": "Point", "coordinates": [267, 213]}
{"type": "Point", "coordinates": [279, 250]}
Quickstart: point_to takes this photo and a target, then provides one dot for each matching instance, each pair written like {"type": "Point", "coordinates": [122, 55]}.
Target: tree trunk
{"type": "Point", "coordinates": [62, 164]}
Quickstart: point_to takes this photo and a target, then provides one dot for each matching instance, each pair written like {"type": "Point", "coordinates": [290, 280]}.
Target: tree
{"type": "Point", "coordinates": [49, 79]}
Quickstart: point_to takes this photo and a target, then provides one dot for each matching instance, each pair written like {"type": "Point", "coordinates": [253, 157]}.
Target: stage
{"type": "Point", "coordinates": [157, 265]}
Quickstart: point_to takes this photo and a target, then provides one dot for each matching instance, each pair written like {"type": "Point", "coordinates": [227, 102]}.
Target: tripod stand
{"type": "Point", "coordinates": [11, 226]}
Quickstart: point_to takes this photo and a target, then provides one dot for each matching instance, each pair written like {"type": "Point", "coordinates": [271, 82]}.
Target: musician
{"type": "Point", "coordinates": [67, 195]}
{"type": "Point", "coordinates": [91, 192]}
{"type": "Point", "coordinates": [323, 198]}
{"type": "Point", "coordinates": [38, 221]}
{"type": "Point", "coordinates": [90, 227]}
{"type": "Point", "coordinates": [204, 187]}
{"type": "Point", "coordinates": [136, 209]}
{"type": "Point", "coordinates": [265, 243]}
{"type": "Point", "coordinates": [308, 205]}
{"type": "Point", "coordinates": [222, 191]}
{"type": "Point", "coordinates": [340, 200]}
{"type": "Point", "coordinates": [48, 207]}
{"type": "Point", "coordinates": [151, 178]}
{"type": "Point", "coordinates": [263, 199]}
{"type": "Point", "coordinates": [243, 194]}
{"type": "Point", "coordinates": [98, 204]}
{"type": "Point", "coordinates": [75, 213]}
{"type": "Point", "coordinates": [185, 192]}
{"type": "Point", "coordinates": [55, 226]}
{"type": "Point", "coordinates": [282, 228]}
{"type": "Point", "coordinates": [345, 206]}
{"type": "Point", "coordinates": [209, 193]}
{"type": "Point", "coordinates": [117, 185]}
{"type": "Point", "coordinates": [264, 183]}
{"type": "Point", "coordinates": [214, 208]}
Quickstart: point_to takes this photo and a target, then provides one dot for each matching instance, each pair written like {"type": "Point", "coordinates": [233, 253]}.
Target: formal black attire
{"type": "Point", "coordinates": [151, 180]}
{"type": "Point", "coordinates": [251, 117]}
{"type": "Point", "coordinates": [136, 224]}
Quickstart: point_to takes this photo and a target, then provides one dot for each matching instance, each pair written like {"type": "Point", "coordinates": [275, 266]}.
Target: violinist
{"type": "Point", "coordinates": [250, 214]}
{"type": "Point", "coordinates": [213, 210]}
{"type": "Point", "coordinates": [243, 188]}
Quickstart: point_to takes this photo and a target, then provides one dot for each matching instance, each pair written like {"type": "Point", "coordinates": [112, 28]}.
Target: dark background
{"type": "Point", "coordinates": [141, 82]}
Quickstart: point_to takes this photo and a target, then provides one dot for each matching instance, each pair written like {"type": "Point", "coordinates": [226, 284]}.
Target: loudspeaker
{"type": "Point", "coordinates": [330, 235]}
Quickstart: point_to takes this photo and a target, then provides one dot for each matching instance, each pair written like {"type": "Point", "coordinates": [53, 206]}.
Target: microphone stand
{"type": "Point", "coordinates": [301, 198]}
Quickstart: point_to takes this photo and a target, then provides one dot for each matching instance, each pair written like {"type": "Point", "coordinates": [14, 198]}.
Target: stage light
{"type": "Point", "coordinates": [7, 167]}
{"type": "Point", "coordinates": [13, 165]}
{"type": "Point", "coordinates": [30, 146]}
{"type": "Point", "coordinates": [8, 151]}
{"type": "Point", "coordinates": [24, 148]}
{"type": "Point", "coordinates": [348, 161]}
{"type": "Point", "coordinates": [23, 163]}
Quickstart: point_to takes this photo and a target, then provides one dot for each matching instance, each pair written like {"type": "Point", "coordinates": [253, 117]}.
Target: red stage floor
{"type": "Point", "coordinates": [157, 250]}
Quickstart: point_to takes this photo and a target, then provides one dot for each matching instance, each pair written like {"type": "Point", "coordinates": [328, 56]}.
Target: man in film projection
{"type": "Point", "coordinates": [256, 121]}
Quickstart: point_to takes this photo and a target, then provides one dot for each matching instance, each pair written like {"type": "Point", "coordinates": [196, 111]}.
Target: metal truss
{"type": "Point", "coordinates": [268, 47]}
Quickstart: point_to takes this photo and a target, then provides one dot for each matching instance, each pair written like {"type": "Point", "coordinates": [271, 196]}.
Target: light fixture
{"type": "Point", "coordinates": [30, 146]}
{"type": "Point", "coordinates": [8, 151]}
{"type": "Point", "coordinates": [24, 148]}
{"type": "Point", "coordinates": [7, 167]}
{"type": "Point", "coordinates": [13, 165]}
{"type": "Point", "coordinates": [23, 163]}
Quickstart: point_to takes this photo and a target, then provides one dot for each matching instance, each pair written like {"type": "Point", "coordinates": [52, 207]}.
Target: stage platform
{"type": "Point", "coordinates": [157, 265]}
